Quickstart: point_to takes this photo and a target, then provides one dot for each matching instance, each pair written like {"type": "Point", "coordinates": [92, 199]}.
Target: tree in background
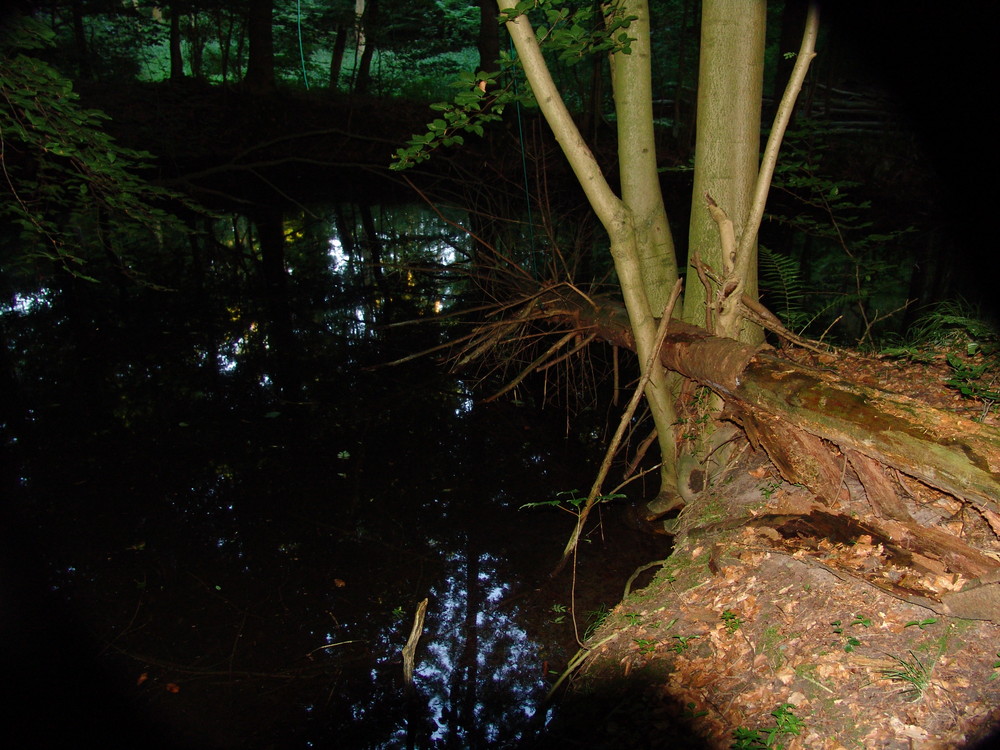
{"type": "Point", "coordinates": [259, 77]}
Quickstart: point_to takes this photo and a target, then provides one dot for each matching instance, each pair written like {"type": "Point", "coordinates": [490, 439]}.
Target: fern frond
{"type": "Point", "coordinates": [781, 281]}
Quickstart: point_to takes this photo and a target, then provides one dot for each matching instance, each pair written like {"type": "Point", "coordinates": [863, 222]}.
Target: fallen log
{"type": "Point", "coordinates": [945, 451]}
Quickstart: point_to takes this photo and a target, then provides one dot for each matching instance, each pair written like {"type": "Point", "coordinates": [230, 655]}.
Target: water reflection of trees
{"type": "Point", "coordinates": [233, 505]}
{"type": "Point", "coordinates": [480, 680]}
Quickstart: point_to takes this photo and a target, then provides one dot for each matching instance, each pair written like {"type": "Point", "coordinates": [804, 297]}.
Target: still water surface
{"type": "Point", "coordinates": [237, 510]}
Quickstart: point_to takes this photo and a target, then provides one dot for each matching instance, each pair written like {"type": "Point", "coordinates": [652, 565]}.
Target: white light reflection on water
{"type": "Point", "coordinates": [481, 678]}
{"type": "Point", "coordinates": [338, 258]}
{"type": "Point", "coordinates": [466, 401]}
{"type": "Point", "coordinates": [28, 302]}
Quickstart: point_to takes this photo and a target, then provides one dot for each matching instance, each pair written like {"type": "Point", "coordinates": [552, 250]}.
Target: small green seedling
{"type": "Point", "coordinates": [852, 642]}
{"type": "Point", "coordinates": [862, 620]}
{"type": "Point", "coordinates": [747, 739]}
{"type": "Point", "coordinates": [596, 618]}
{"type": "Point", "coordinates": [921, 623]}
{"type": "Point", "coordinates": [682, 643]}
{"type": "Point", "coordinates": [996, 666]}
{"type": "Point", "coordinates": [560, 613]}
{"type": "Point", "coordinates": [633, 618]}
{"type": "Point", "coordinates": [646, 645]}
{"type": "Point", "coordinates": [691, 711]}
{"type": "Point", "coordinates": [731, 620]}
{"type": "Point", "coordinates": [785, 722]}
{"type": "Point", "coordinates": [769, 489]}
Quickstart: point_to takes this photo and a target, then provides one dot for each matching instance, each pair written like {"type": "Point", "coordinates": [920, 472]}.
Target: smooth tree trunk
{"type": "Point", "coordinates": [727, 150]}
{"type": "Point", "coordinates": [636, 235]}
{"type": "Point", "coordinates": [640, 181]}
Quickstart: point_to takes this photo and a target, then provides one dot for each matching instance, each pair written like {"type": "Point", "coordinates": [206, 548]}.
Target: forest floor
{"type": "Point", "coordinates": [768, 635]}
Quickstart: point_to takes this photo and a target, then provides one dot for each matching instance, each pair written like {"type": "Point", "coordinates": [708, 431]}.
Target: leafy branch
{"type": "Point", "coordinates": [471, 109]}
{"type": "Point", "coordinates": [576, 33]}
{"type": "Point", "coordinates": [69, 182]}
{"type": "Point", "coordinates": [572, 33]}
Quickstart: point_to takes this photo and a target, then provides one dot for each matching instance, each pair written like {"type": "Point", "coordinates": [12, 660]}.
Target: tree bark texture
{"type": "Point", "coordinates": [730, 79]}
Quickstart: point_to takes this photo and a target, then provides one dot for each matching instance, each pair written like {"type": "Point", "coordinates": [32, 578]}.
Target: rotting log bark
{"type": "Point", "coordinates": [945, 451]}
{"type": "Point", "coordinates": [800, 457]}
{"type": "Point", "coordinates": [879, 489]}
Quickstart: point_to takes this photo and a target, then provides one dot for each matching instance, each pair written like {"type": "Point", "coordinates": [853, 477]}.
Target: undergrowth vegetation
{"type": "Point", "coordinates": [968, 342]}
{"type": "Point", "coordinates": [838, 272]}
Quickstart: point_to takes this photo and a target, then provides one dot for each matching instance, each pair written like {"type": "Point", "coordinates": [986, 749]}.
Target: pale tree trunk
{"type": "Point", "coordinates": [727, 150]}
{"type": "Point", "coordinates": [631, 77]}
{"type": "Point", "coordinates": [617, 217]}
{"type": "Point", "coordinates": [633, 87]}
{"type": "Point", "coordinates": [360, 41]}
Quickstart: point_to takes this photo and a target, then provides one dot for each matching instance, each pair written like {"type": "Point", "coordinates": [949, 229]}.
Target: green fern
{"type": "Point", "coordinates": [780, 279]}
{"type": "Point", "coordinates": [954, 323]}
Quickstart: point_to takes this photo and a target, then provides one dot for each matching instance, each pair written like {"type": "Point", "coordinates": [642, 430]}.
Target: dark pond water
{"type": "Point", "coordinates": [221, 514]}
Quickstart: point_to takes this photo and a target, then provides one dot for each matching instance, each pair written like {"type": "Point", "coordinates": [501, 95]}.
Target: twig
{"type": "Point", "coordinates": [410, 649]}
{"type": "Point", "coordinates": [699, 266]}
{"type": "Point", "coordinates": [425, 352]}
{"type": "Point", "coordinates": [578, 658]}
{"type": "Point", "coordinates": [531, 367]}
{"type": "Point", "coordinates": [640, 453]}
{"type": "Point", "coordinates": [582, 345]}
{"type": "Point", "coordinates": [333, 645]}
{"type": "Point", "coordinates": [639, 571]}
{"type": "Point", "coordinates": [609, 454]}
